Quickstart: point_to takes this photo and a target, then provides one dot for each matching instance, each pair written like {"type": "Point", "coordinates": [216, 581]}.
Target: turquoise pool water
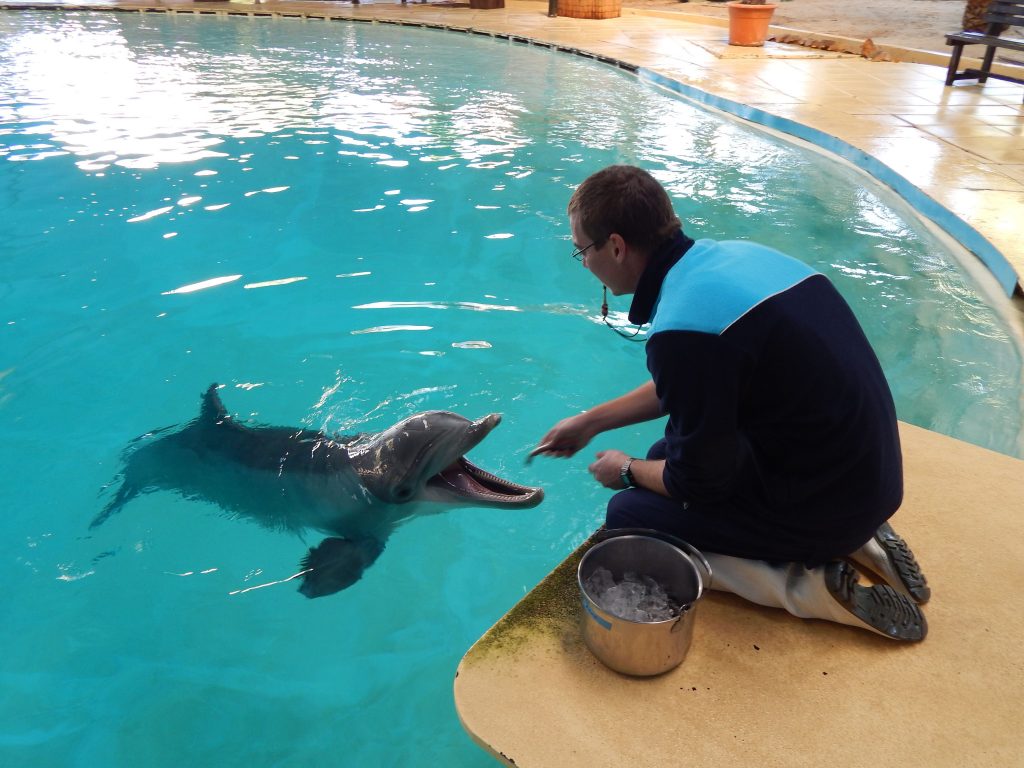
{"type": "Point", "coordinates": [345, 224]}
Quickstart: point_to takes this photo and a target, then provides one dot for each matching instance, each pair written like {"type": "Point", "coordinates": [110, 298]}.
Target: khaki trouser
{"type": "Point", "coordinates": [794, 587]}
{"type": "Point", "coordinates": [791, 586]}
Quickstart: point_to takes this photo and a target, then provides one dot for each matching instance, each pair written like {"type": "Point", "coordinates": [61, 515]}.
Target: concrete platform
{"type": "Point", "coordinates": [762, 688]}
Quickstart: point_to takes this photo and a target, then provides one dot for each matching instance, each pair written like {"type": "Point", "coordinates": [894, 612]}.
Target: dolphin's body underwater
{"type": "Point", "coordinates": [357, 488]}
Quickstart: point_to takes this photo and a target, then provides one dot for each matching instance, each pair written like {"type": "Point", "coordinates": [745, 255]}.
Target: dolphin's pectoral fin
{"type": "Point", "coordinates": [337, 563]}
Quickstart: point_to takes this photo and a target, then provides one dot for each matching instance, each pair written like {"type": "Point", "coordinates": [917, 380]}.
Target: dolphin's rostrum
{"type": "Point", "coordinates": [357, 488]}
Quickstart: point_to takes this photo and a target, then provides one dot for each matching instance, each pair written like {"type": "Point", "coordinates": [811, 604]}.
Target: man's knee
{"type": "Point", "coordinates": [658, 451]}
{"type": "Point", "coordinates": [621, 512]}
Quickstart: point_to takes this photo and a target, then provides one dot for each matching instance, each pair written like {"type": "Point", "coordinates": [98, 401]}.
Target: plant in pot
{"type": "Point", "coordinates": [748, 21]}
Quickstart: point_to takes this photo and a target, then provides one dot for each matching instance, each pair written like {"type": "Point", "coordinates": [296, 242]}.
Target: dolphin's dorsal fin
{"type": "Point", "coordinates": [212, 410]}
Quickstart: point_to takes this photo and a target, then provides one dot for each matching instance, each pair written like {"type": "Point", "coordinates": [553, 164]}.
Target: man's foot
{"type": "Point", "coordinates": [880, 609]}
{"type": "Point", "coordinates": [887, 556]}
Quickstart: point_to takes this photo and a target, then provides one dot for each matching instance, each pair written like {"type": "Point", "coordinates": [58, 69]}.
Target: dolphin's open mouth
{"type": "Point", "coordinates": [465, 480]}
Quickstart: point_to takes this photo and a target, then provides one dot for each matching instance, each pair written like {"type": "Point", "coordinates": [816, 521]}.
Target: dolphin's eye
{"type": "Point", "coordinates": [403, 493]}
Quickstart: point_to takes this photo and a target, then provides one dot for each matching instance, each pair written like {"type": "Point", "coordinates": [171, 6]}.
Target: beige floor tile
{"type": "Point", "coordinates": [970, 188]}
{"type": "Point", "coordinates": [974, 96]}
{"type": "Point", "coordinates": [836, 113]}
{"type": "Point", "coordinates": [976, 177]}
{"type": "Point", "coordinates": [941, 118]}
{"type": "Point", "coordinates": [994, 212]}
{"type": "Point", "coordinates": [893, 106]}
{"type": "Point", "coordinates": [1015, 172]}
{"type": "Point", "coordinates": [954, 111]}
{"type": "Point", "coordinates": [970, 129]}
{"type": "Point", "coordinates": [923, 160]}
{"type": "Point", "coordinates": [1010, 150]}
{"type": "Point", "coordinates": [848, 131]}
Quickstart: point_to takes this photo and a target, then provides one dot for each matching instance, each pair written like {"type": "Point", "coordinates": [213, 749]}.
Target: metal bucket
{"type": "Point", "coordinates": [634, 647]}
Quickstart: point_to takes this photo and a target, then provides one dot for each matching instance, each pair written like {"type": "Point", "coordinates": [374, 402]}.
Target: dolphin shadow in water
{"type": "Point", "coordinates": [357, 488]}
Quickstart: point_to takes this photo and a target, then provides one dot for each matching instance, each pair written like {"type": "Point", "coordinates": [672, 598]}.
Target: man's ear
{"type": "Point", "coordinates": [620, 248]}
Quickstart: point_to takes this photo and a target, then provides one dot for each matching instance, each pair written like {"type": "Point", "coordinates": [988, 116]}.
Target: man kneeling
{"type": "Point", "coordinates": [781, 458]}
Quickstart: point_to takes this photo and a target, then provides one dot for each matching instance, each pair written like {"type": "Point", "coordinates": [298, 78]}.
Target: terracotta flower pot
{"type": "Point", "coordinates": [748, 24]}
{"type": "Point", "coordinates": [590, 9]}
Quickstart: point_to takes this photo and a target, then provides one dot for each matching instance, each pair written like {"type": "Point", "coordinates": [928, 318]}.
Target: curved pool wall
{"type": "Point", "coordinates": [963, 233]}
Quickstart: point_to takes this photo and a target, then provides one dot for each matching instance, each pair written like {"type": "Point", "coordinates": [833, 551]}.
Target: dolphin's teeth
{"type": "Point", "coordinates": [469, 481]}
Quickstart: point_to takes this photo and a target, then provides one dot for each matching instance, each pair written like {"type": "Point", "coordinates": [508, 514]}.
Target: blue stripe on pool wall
{"type": "Point", "coordinates": [946, 220]}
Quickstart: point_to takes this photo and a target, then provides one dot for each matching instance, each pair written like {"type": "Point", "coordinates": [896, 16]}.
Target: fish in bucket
{"type": "Point", "coordinates": [639, 590]}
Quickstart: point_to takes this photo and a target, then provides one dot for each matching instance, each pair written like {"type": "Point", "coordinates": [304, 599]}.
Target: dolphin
{"type": "Point", "coordinates": [356, 488]}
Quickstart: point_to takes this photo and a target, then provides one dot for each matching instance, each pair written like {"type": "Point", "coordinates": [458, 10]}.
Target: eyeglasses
{"type": "Point", "coordinates": [578, 253]}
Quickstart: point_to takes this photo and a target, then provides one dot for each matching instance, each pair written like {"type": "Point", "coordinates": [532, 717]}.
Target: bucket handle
{"type": "Point", "coordinates": [610, 533]}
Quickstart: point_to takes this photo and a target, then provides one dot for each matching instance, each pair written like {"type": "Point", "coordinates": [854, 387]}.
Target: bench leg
{"type": "Point", "coordinates": [986, 63]}
{"type": "Point", "coordinates": [954, 62]}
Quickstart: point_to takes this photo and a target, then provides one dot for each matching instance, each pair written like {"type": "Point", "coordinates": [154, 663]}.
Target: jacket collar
{"type": "Point", "coordinates": [661, 261]}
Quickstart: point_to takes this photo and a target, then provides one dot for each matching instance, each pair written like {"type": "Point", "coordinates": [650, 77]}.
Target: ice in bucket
{"type": "Point", "coordinates": [634, 598]}
{"type": "Point", "coordinates": [639, 590]}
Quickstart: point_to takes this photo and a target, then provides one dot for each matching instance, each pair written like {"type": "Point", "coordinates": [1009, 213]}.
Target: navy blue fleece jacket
{"type": "Point", "coordinates": [776, 401]}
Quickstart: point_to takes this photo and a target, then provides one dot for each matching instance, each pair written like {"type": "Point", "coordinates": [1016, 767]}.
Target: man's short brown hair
{"type": "Point", "coordinates": [628, 201]}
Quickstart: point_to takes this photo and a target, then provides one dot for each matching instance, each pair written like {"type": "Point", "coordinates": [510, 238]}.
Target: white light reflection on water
{"type": "Point", "coordinates": [109, 106]}
{"type": "Point", "coordinates": [151, 214]}
{"type": "Point", "coordinates": [391, 329]}
{"type": "Point", "coordinates": [202, 285]}
{"type": "Point", "coordinates": [272, 283]}
{"type": "Point", "coordinates": [139, 106]}
{"type": "Point", "coordinates": [471, 305]}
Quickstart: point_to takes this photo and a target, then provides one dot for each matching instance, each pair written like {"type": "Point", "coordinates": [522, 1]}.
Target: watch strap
{"type": "Point", "coordinates": [626, 474]}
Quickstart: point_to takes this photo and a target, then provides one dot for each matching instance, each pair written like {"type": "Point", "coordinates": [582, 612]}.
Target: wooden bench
{"type": "Point", "coordinates": [1001, 14]}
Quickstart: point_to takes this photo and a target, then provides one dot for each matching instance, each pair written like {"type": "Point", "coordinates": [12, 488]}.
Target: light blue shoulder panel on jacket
{"type": "Point", "coordinates": [717, 283]}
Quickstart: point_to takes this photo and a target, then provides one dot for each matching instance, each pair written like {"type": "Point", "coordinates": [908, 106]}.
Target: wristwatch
{"type": "Point", "coordinates": [626, 476]}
